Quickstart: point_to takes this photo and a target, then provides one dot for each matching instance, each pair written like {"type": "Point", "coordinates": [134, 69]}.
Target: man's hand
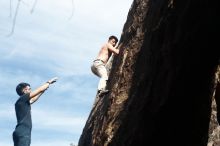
{"type": "Point", "coordinates": [53, 80]}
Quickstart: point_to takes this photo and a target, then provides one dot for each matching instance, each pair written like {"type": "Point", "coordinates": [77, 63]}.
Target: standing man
{"type": "Point", "coordinates": [98, 66]}
{"type": "Point", "coordinates": [22, 133]}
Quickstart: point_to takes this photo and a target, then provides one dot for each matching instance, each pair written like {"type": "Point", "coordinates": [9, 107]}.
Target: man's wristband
{"type": "Point", "coordinates": [48, 82]}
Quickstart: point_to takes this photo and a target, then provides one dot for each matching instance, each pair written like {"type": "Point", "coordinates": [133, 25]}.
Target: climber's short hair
{"type": "Point", "coordinates": [113, 37]}
{"type": "Point", "coordinates": [20, 87]}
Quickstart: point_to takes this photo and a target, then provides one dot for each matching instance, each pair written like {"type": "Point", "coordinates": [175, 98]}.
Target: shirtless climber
{"type": "Point", "coordinates": [98, 66]}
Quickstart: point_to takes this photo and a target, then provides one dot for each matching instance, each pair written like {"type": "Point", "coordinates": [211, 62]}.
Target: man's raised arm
{"type": "Point", "coordinates": [34, 95]}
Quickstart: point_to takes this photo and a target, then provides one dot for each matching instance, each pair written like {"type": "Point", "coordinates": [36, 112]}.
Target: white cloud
{"type": "Point", "coordinates": [64, 46]}
{"type": "Point", "coordinates": [53, 142]}
{"type": "Point", "coordinates": [57, 121]}
{"type": "Point", "coordinates": [45, 44]}
{"type": "Point", "coordinates": [5, 143]}
{"type": "Point", "coordinates": [7, 112]}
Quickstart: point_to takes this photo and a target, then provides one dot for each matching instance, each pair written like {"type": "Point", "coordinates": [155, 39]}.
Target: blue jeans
{"type": "Point", "coordinates": [21, 140]}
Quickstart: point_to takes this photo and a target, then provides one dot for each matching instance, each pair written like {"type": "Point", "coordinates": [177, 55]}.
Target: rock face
{"type": "Point", "coordinates": [162, 82]}
{"type": "Point", "coordinates": [214, 128]}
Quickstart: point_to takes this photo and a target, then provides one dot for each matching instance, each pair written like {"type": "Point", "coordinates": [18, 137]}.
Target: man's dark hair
{"type": "Point", "coordinates": [113, 37]}
{"type": "Point", "coordinates": [20, 87]}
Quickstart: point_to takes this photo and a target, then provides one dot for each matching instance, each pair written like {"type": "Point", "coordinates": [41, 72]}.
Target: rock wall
{"type": "Point", "coordinates": [162, 82]}
{"type": "Point", "coordinates": [214, 128]}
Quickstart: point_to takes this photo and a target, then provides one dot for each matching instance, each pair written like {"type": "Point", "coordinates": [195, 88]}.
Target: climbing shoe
{"type": "Point", "coordinates": [103, 92]}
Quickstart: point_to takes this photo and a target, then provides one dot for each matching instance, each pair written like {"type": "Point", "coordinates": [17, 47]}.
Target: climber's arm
{"type": "Point", "coordinates": [112, 49]}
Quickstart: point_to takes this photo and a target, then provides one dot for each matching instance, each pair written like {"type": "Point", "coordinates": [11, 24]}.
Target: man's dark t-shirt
{"type": "Point", "coordinates": [23, 114]}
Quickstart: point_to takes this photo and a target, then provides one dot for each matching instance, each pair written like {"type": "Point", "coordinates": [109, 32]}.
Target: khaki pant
{"type": "Point", "coordinates": [98, 68]}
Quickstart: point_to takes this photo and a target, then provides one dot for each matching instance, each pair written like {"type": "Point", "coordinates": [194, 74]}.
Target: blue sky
{"type": "Point", "coordinates": [47, 43]}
